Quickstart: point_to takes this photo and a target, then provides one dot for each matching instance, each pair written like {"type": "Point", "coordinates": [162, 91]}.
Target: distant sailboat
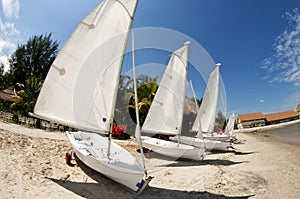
{"type": "Point", "coordinates": [207, 113]}
{"type": "Point", "coordinates": [205, 120]}
{"type": "Point", "coordinates": [166, 112]}
{"type": "Point", "coordinates": [219, 144]}
{"type": "Point", "coordinates": [230, 125]}
{"type": "Point", "coordinates": [81, 87]}
{"type": "Point", "coordinates": [208, 110]}
{"type": "Point", "coordinates": [228, 133]}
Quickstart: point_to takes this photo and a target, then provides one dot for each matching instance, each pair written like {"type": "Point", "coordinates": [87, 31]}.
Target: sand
{"type": "Point", "coordinates": [32, 165]}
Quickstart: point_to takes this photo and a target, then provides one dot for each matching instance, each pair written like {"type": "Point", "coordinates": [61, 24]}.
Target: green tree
{"type": "Point", "coordinates": [220, 122]}
{"type": "Point", "coordinates": [146, 92]}
{"type": "Point", "coordinates": [123, 96]}
{"type": "Point", "coordinates": [27, 95]}
{"type": "Point", "coordinates": [32, 59]}
{"type": "Point", "coordinates": [2, 84]}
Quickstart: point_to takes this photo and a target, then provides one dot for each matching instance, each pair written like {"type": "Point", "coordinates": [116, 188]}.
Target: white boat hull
{"type": "Point", "coordinates": [172, 149]}
{"type": "Point", "coordinates": [121, 167]}
{"type": "Point", "coordinates": [216, 136]}
{"type": "Point", "coordinates": [209, 145]}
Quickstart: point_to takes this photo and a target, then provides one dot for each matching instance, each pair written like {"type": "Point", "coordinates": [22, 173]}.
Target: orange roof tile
{"type": "Point", "coordinates": [251, 116]}
{"type": "Point", "coordinates": [281, 115]}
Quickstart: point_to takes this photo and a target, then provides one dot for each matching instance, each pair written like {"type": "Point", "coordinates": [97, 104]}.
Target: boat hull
{"type": "Point", "coordinates": [209, 145]}
{"type": "Point", "coordinates": [172, 149]}
{"type": "Point", "coordinates": [217, 136]}
{"type": "Point", "coordinates": [121, 167]}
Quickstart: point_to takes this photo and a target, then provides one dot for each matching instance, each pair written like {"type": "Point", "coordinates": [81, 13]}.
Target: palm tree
{"type": "Point", "coordinates": [220, 122]}
{"type": "Point", "coordinates": [26, 97]}
{"type": "Point", "coordinates": [121, 110]}
{"type": "Point", "coordinates": [146, 93]}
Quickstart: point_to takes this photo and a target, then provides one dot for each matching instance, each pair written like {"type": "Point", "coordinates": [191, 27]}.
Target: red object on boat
{"type": "Point", "coordinates": [117, 131]}
{"type": "Point", "coordinates": [221, 131]}
{"type": "Point", "coordinates": [147, 155]}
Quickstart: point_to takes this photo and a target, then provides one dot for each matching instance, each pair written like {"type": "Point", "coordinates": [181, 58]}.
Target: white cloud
{"type": "Point", "coordinates": [261, 101]}
{"type": "Point", "coordinates": [284, 64]}
{"type": "Point", "coordinates": [11, 8]}
{"type": "Point", "coordinates": [4, 61]}
{"type": "Point", "coordinates": [9, 37]}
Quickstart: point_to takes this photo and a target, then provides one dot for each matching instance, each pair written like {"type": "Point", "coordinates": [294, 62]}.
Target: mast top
{"type": "Point", "coordinates": [187, 43]}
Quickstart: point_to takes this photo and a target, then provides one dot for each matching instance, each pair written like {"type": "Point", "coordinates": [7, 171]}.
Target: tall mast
{"type": "Point", "coordinates": [137, 129]}
{"type": "Point", "coordinates": [121, 62]}
{"type": "Point", "coordinates": [199, 132]}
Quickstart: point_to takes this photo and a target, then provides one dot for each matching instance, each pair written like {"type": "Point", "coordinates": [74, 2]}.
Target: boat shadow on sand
{"type": "Point", "coordinates": [104, 187]}
{"type": "Point", "coordinates": [171, 162]}
{"type": "Point", "coordinates": [215, 162]}
{"type": "Point", "coordinates": [235, 152]}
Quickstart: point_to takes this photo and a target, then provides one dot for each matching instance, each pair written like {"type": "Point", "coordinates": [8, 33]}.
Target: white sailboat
{"type": "Point", "coordinates": [204, 122]}
{"type": "Point", "coordinates": [230, 125]}
{"type": "Point", "coordinates": [220, 144]}
{"type": "Point", "coordinates": [81, 87]}
{"type": "Point", "coordinates": [166, 112]}
{"type": "Point", "coordinates": [208, 110]}
{"type": "Point", "coordinates": [207, 113]}
{"type": "Point", "coordinates": [224, 136]}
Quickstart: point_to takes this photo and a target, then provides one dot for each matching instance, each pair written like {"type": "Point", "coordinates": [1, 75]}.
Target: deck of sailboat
{"type": "Point", "coordinates": [120, 165]}
{"type": "Point", "coordinates": [96, 146]}
{"type": "Point", "coordinates": [173, 149]}
{"type": "Point", "coordinates": [207, 144]}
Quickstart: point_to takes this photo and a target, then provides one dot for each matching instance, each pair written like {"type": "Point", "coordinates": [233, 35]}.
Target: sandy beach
{"type": "Point", "coordinates": [33, 166]}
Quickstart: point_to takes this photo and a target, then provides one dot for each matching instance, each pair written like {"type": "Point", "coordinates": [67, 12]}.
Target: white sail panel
{"type": "Point", "coordinates": [208, 107]}
{"type": "Point", "coordinates": [230, 125]}
{"type": "Point", "coordinates": [80, 88]}
{"type": "Point", "coordinates": [166, 112]}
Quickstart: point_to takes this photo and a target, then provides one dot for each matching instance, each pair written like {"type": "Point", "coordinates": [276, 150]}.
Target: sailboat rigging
{"type": "Point", "coordinates": [207, 113]}
{"type": "Point", "coordinates": [137, 129]}
{"type": "Point", "coordinates": [208, 109]}
{"type": "Point", "coordinates": [166, 112]}
{"type": "Point", "coordinates": [81, 87]}
{"type": "Point", "coordinates": [205, 120]}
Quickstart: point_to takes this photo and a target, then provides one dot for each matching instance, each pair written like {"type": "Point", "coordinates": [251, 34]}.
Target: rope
{"type": "Point", "coordinates": [129, 142]}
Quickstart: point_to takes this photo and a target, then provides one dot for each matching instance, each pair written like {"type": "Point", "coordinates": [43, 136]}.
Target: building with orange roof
{"type": "Point", "coordinates": [259, 119]}
{"type": "Point", "coordinates": [276, 118]}
{"type": "Point", "coordinates": [251, 120]}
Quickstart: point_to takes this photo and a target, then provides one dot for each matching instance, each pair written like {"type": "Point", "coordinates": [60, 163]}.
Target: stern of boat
{"type": "Point", "coordinates": [143, 185]}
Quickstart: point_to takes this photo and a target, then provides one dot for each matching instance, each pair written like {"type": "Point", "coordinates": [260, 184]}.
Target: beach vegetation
{"type": "Point", "coordinates": [31, 59]}
{"type": "Point", "coordinates": [221, 121]}
{"type": "Point", "coordinates": [2, 85]}
{"type": "Point", "coordinates": [146, 92]}
{"type": "Point", "coordinates": [28, 67]}
{"type": "Point", "coordinates": [123, 96]}
{"type": "Point", "coordinates": [26, 96]}
{"type": "Point", "coordinates": [125, 104]}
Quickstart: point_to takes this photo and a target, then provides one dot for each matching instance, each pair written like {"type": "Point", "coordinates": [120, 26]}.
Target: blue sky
{"type": "Point", "coordinates": [257, 41]}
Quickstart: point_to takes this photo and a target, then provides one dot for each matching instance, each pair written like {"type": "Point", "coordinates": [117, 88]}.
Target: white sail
{"type": "Point", "coordinates": [199, 132]}
{"type": "Point", "coordinates": [230, 125]}
{"type": "Point", "coordinates": [80, 89]}
{"type": "Point", "coordinates": [208, 108]}
{"type": "Point", "coordinates": [166, 112]}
